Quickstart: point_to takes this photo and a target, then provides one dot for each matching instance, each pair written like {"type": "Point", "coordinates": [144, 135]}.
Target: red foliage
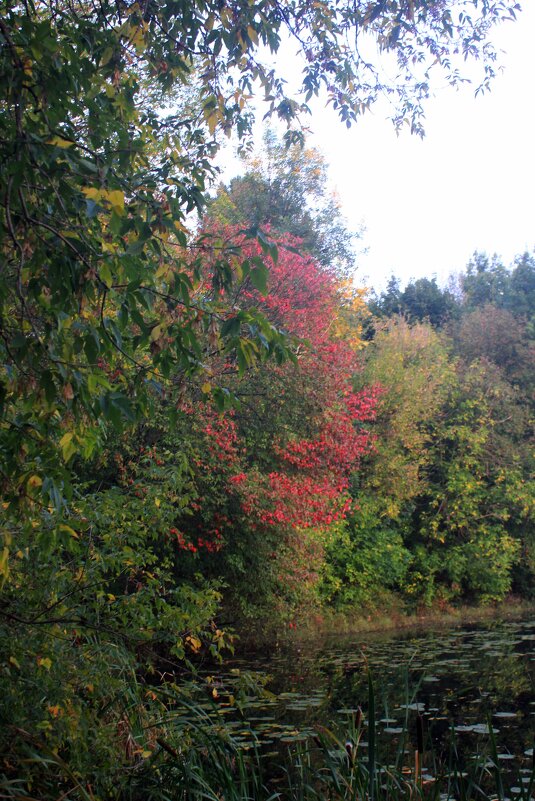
{"type": "Point", "coordinates": [298, 476]}
{"type": "Point", "coordinates": [308, 485]}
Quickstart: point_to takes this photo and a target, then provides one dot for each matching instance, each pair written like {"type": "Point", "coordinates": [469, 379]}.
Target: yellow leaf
{"type": "Point", "coordinates": [68, 530]}
{"type": "Point", "coordinates": [206, 388]}
{"type": "Point", "coordinates": [116, 198]}
{"type": "Point", "coordinates": [194, 643]}
{"type": "Point", "coordinates": [91, 192]}
{"type": "Point", "coordinates": [58, 141]}
{"type": "Point", "coordinates": [137, 37]}
{"type": "Point", "coordinates": [113, 196]}
{"type": "Point", "coordinates": [67, 445]}
{"type": "Point", "coordinates": [44, 662]}
{"type": "Point", "coordinates": [164, 271]}
{"type": "Point", "coordinates": [34, 482]}
{"type": "Point", "coordinates": [212, 121]}
{"type": "Point", "coordinates": [157, 503]}
{"type": "Point", "coordinates": [4, 562]}
{"type": "Point", "coordinates": [146, 754]}
{"type": "Point", "coordinates": [215, 694]}
{"type": "Point", "coordinates": [156, 333]}
{"type": "Point", "coordinates": [13, 661]}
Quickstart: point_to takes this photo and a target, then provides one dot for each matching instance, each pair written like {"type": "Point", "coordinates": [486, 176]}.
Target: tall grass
{"type": "Point", "coordinates": [201, 761]}
{"type": "Point", "coordinates": [333, 765]}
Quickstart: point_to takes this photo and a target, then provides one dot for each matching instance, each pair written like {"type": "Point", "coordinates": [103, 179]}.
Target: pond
{"type": "Point", "coordinates": [459, 681]}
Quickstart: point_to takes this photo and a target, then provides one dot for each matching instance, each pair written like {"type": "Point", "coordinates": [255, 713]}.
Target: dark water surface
{"type": "Point", "coordinates": [458, 679]}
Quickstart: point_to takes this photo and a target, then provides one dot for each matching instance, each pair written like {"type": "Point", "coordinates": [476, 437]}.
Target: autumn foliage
{"type": "Point", "coordinates": [272, 474]}
{"type": "Point", "coordinates": [312, 462]}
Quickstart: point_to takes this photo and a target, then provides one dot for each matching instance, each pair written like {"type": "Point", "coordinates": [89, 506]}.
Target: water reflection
{"type": "Point", "coordinates": [459, 680]}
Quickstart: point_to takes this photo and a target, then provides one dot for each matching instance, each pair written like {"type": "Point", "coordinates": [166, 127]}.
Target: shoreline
{"type": "Point", "coordinates": [383, 622]}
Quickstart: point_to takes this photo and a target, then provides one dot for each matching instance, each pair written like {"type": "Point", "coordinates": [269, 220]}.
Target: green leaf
{"type": "Point", "coordinates": [47, 384]}
{"type": "Point", "coordinates": [259, 277]}
{"type": "Point", "coordinates": [231, 327]}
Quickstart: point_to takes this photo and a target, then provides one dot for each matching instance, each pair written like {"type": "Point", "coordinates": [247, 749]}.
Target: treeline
{"type": "Point", "coordinates": [381, 458]}
{"type": "Point", "coordinates": [385, 463]}
{"type": "Point", "coordinates": [201, 427]}
{"type": "Point", "coordinates": [442, 499]}
{"type": "Point", "coordinates": [449, 489]}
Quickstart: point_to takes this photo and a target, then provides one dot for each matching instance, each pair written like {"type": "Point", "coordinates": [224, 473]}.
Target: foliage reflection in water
{"type": "Point", "coordinates": [461, 682]}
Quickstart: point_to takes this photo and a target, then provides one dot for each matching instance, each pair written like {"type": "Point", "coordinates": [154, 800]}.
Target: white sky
{"type": "Point", "coordinates": [469, 185]}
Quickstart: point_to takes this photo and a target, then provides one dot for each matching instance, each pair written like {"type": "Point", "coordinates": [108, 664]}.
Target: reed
{"type": "Point", "coordinates": [195, 757]}
{"type": "Point", "coordinates": [331, 766]}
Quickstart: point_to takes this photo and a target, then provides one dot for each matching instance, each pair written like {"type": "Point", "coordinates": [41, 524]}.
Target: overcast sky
{"type": "Point", "coordinates": [469, 185]}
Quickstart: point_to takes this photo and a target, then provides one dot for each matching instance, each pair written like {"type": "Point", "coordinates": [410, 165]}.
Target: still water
{"type": "Point", "coordinates": [460, 680]}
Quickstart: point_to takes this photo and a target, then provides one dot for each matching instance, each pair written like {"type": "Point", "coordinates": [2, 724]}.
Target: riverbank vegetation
{"type": "Point", "coordinates": [439, 509]}
{"type": "Point", "coordinates": [205, 426]}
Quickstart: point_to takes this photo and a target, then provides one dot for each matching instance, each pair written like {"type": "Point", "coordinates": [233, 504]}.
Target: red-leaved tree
{"type": "Point", "coordinates": [263, 482]}
{"type": "Point", "coordinates": [274, 474]}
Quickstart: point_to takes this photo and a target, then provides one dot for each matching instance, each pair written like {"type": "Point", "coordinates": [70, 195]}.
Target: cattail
{"type": "Point", "coordinates": [420, 734]}
{"type": "Point", "coordinates": [351, 751]}
{"type": "Point", "coordinates": [419, 749]}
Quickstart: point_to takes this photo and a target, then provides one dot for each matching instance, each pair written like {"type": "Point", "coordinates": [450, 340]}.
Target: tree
{"type": "Point", "coordinates": [84, 271]}
{"type": "Point", "coordinates": [423, 300]}
{"type": "Point", "coordinates": [522, 287]}
{"type": "Point", "coordinates": [371, 555]}
{"type": "Point", "coordinates": [301, 430]}
{"type": "Point", "coordinates": [286, 189]}
{"type": "Point", "coordinates": [445, 499]}
{"type": "Point", "coordinates": [107, 309]}
{"type": "Point", "coordinates": [495, 334]}
{"type": "Point", "coordinates": [486, 281]}
{"type": "Point", "coordinates": [388, 303]}
{"type": "Point", "coordinates": [480, 503]}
